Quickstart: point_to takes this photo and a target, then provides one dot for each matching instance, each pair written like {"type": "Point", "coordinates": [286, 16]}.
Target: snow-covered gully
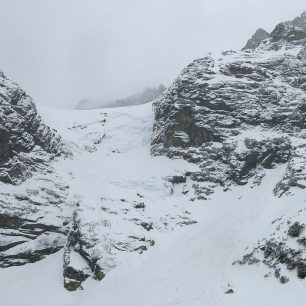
{"type": "Point", "coordinates": [188, 265]}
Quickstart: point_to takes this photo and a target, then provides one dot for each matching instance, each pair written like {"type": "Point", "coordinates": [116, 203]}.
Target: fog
{"type": "Point", "coordinates": [61, 51]}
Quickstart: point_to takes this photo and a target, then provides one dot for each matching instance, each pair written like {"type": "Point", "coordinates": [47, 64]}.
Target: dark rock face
{"type": "Point", "coordinates": [287, 32]}
{"type": "Point", "coordinates": [177, 179]}
{"type": "Point", "coordinates": [236, 94]}
{"type": "Point", "coordinates": [290, 30]}
{"type": "Point", "coordinates": [4, 144]}
{"type": "Point", "coordinates": [259, 36]}
{"type": "Point", "coordinates": [295, 230]}
{"type": "Point", "coordinates": [75, 251]}
{"type": "Point", "coordinates": [25, 140]}
{"type": "Point", "coordinates": [209, 115]}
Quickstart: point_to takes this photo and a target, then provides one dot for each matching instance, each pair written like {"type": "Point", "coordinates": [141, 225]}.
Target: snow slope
{"type": "Point", "coordinates": [190, 264]}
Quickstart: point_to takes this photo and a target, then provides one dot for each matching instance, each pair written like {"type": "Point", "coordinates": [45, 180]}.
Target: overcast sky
{"type": "Point", "coordinates": [61, 51]}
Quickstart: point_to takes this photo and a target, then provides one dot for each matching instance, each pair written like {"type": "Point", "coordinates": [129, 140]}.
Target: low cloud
{"type": "Point", "coordinates": [61, 51]}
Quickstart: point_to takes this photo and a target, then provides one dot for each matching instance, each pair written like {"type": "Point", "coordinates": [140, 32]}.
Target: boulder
{"type": "Point", "coordinates": [259, 36]}
{"type": "Point", "coordinates": [295, 230]}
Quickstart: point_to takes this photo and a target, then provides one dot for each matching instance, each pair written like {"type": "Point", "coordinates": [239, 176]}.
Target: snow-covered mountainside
{"type": "Point", "coordinates": [197, 199]}
{"type": "Point", "coordinates": [148, 95]}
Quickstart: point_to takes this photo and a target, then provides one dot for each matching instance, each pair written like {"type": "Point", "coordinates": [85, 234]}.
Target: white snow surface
{"type": "Point", "coordinates": [188, 265]}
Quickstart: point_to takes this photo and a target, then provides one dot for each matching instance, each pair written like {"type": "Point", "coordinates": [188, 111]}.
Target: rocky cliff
{"type": "Point", "coordinates": [239, 114]}
{"type": "Point", "coordinates": [25, 141]}
{"type": "Point", "coordinates": [28, 192]}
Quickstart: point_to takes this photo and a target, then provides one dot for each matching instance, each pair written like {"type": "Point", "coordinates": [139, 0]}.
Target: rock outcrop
{"type": "Point", "coordinates": [27, 148]}
{"type": "Point", "coordinates": [259, 36]}
{"type": "Point", "coordinates": [283, 251]}
{"type": "Point", "coordinates": [25, 141]}
{"type": "Point", "coordinates": [236, 114]}
{"type": "Point", "coordinates": [291, 30]}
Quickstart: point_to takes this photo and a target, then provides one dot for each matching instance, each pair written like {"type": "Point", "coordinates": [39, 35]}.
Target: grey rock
{"type": "Point", "coordinates": [296, 229]}
{"type": "Point", "coordinates": [301, 270]}
{"type": "Point", "coordinates": [287, 31]}
{"type": "Point", "coordinates": [259, 36]}
{"type": "Point", "coordinates": [77, 245]}
{"type": "Point", "coordinates": [302, 241]}
{"type": "Point", "coordinates": [218, 98]}
{"type": "Point", "coordinates": [293, 31]}
{"type": "Point", "coordinates": [284, 279]}
{"type": "Point", "coordinates": [24, 138]}
{"type": "Point", "coordinates": [147, 226]}
{"type": "Point", "coordinates": [177, 179]}
{"type": "Point", "coordinates": [5, 147]}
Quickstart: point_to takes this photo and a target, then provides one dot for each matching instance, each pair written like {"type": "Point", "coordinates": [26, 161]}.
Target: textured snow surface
{"type": "Point", "coordinates": [188, 265]}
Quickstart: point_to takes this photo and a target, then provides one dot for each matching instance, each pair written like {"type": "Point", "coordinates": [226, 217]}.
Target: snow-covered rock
{"type": "Point", "coordinates": [241, 114]}
{"type": "Point", "coordinates": [25, 140]}
{"type": "Point", "coordinates": [237, 113]}
{"type": "Point", "coordinates": [29, 190]}
{"type": "Point", "coordinates": [259, 36]}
